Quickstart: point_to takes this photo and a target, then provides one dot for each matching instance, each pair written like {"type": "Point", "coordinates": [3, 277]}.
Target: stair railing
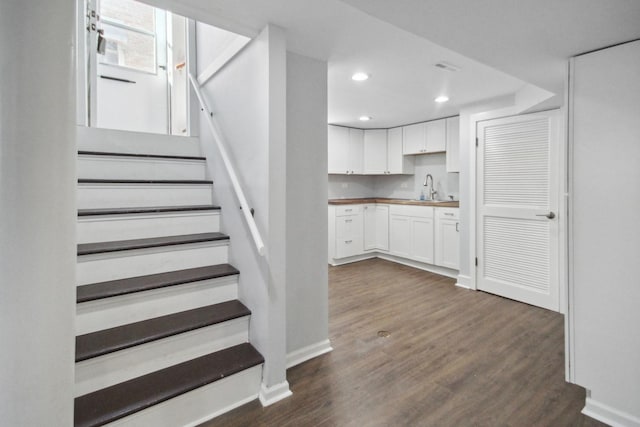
{"type": "Point", "coordinates": [221, 144]}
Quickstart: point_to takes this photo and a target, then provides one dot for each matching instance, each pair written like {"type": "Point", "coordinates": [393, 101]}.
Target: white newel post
{"type": "Point", "coordinates": [37, 212]}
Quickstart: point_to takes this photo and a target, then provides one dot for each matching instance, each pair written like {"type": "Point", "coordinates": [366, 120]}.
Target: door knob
{"type": "Point", "coordinates": [550, 215]}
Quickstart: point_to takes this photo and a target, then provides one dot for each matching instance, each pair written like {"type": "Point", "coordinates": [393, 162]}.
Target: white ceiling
{"type": "Point", "coordinates": [395, 41]}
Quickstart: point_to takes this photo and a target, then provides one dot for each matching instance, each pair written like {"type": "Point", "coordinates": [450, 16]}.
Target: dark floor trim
{"type": "Point", "coordinates": [153, 156]}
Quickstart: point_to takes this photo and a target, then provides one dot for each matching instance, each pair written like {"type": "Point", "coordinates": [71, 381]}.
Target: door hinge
{"type": "Point", "coordinates": [476, 262]}
{"type": "Point", "coordinates": [476, 141]}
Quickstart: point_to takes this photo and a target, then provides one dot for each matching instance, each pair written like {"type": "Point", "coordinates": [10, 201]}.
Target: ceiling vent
{"type": "Point", "coordinates": [446, 66]}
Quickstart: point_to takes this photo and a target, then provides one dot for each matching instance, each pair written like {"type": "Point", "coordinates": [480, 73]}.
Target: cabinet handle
{"type": "Point", "coordinates": [448, 214]}
{"type": "Point", "coordinates": [348, 210]}
{"type": "Point", "coordinates": [348, 220]}
{"type": "Point", "coordinates": [348, 241]}
{"type": "Point", "coordinates": [457, 223]}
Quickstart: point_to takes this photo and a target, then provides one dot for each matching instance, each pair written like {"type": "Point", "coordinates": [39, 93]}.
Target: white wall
{"type": "Point", "coordinates": [248, 97]}
{"type": "Point", "coordinates": [605, 233]}
{"type": "Point", "coordinates": [37, 212]}
{"type": "Point", "coordinates": [307, 276]}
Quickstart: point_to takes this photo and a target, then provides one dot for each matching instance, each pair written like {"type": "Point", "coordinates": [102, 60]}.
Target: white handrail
{"type": "Point", "coordinates": [217, 137]}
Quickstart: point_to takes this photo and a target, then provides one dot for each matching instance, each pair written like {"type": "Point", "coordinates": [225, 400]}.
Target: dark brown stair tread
{"type": "Point", "coordinates": [130, 285]}
{"type": "Point", "coordinates": [153, 209]}
{"type": "Point", "coordinates": [143, 181]}
{"type": "Point", "coordinates": [153, 156]}
{"type": "Point", "coordinates": [153, 242]}
{"type": "Point", "coordinates": [121, 337]}
{"type": "Point", "coordinates": [118, 401]}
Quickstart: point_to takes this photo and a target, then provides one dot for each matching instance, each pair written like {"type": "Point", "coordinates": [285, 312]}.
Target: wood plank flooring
{"type": "Point", "coordinates": [453, 358]}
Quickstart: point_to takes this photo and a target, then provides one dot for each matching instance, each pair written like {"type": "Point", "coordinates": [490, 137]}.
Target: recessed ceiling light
{"type": "Point", "coordinates": [365, 118]}
{"type": "Point", "coordinates": [442, 98]}
{"type": "Point", "coordinates": [360, 77]}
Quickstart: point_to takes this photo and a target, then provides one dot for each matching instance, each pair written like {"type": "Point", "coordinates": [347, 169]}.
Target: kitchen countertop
{"type": "Point", "coordinates": [455, 204]}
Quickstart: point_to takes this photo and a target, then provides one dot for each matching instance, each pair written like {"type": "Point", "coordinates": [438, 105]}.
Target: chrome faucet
{"type": "Point", "coordinates": [430, 191]}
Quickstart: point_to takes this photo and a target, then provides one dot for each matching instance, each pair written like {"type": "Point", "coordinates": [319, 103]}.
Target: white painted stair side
{"type": "Point", "coordinates": [105, 313]}
{"type": "Point", "coordinates": [113, 195]}
{"type": "Point", "coordinates": [113, 368]}
{"type": "Point", "coordinates": [118, 141]}
{"type": "Point", "coordinates": [103, 267]}
{"type": "Point", "coordinates": [201, 404]}
{"type": "Point", "coordinates": [125, 167]}
{"type": "Point", "coordinates": [110, 228]}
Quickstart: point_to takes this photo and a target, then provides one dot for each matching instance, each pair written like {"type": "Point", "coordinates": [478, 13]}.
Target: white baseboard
{"type": "Point", "coordinates": [464, 282]}
{"type": "Point", "coordinates": [309, 352]}
{"type": "Point", "coordinates": [270, 395]}
{"type": "Point", "coordinates": [609, 415]}
{"type": "Point", "coordinates": [443, 271]}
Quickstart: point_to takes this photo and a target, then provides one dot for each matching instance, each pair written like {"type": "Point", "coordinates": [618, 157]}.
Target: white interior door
{"type": "Point", "coordinates": [131, 73]}
{"type": "Point", "coordinates": [517, 212]}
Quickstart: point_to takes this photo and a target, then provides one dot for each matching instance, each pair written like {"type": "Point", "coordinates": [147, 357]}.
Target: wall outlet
{"type": "Point", "coordinates": [404, 185]}
{"type": "Point", "coordinates": [345, 185]}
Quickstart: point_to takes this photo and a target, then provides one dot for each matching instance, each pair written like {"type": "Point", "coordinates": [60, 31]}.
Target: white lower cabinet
{"type": "Point", "coordinates": [349, 235]}
{"type": "Point", "coordinates": [422, 240]}
{"type": "Point", "coordinates": [382, 227]}
{"type": "Point", "coordinates": [447, 238]}
{"type": "Point", "coordinates": [376, 227]}
{"type": "Point", "coordinates": [412, 232]}
{"type": "Point", "coordinates": [370, 227]}
{"type": "Point", "coordinates": [400, 235]}
{"type": "Point", "coordinates": [420, 233]}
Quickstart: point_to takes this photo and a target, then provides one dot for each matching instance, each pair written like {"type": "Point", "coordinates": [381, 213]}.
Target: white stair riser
{"type": "Point", "coordinates": [141, 262]}
{"type": "Point", "coordinates": [201, 404]}
{"type": "Point", "coordinates": [108, 228]}
{"type": "Point", "coordinates": [117, 141]}
{"type": "Point", "coordinates": [96, 196]}
{"type": "Point", "coordinates": [118, 167]}
{"type": "Point", "coordinates": [104, 371]}
{"type": "Point", "coordinates": [92, 316]}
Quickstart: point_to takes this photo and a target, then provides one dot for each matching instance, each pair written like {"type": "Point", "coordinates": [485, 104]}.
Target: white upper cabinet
{"type": "Point", "coordinates": [427, 137]}
{"type": "Point", "coordinates": [453, 144]}
{"type": "Point", "coordinates": [397, 162]}
{"type": "Point", "coordinates": [356, 150]}
{"type": "Point", "coordinates": [436, 136]}
{"type": "Point", "coordinates": [345, 150]}
{"type": "Point", "coordinates": [375, 151]}
{"type": "Point", "coordinates": [338, 146]}
{"type": "Point", "coordinates": [413, 139]}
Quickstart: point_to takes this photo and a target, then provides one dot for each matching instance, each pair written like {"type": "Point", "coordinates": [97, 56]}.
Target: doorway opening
{"type": "Point", "coordinates": [136, 60]}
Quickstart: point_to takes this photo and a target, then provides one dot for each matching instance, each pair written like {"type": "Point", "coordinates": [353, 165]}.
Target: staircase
{"type": "Point", "coordinates": [161, 338]}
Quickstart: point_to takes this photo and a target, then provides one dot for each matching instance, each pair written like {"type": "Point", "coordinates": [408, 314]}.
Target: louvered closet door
{"type": "Point", "coordinates": [518, 191]}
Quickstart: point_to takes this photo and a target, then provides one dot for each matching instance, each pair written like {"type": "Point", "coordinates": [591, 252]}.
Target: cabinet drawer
{"type": "Point", "coordinates": [349, 226]}
{"type": "Point", "coordinates": [414, 211]}
{"type": "Point", "coordinates": [346, 247]}
{"type": "Point", "coordinates": [448, 213]}
{"type": "Point", "coordinates": [348, 210]}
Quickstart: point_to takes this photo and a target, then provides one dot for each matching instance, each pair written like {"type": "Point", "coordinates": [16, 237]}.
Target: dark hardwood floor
{"type": "Point", "coordinates": [453, 357]}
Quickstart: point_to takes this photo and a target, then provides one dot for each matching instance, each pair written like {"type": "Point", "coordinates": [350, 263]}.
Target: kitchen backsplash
{"type": "Point", "coordinates": [398, 186]}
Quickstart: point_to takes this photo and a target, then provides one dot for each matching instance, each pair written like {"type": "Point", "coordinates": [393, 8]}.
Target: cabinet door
{"type": "Point", "coordinates": [338, 149]}
{"type": "Point", "coordinates": [422, 244]}
{"type": "Point", "coordinates": [382, 227]}
{"type": "Point", "coordinates": [436, 136]}
{"type": "Point", "coordinates": [400, 235]}
{"type": "Point", "coordinates": [397, 162]}
{"type": "Point", "coordinates": [447, 244]}
{"type": "Point", "coordinates": [370, 225]}
{"type": "Point", "coordinates": [453, 144]}
{"type": "Point", "coordinates": [356, 148]}
{"type": "Point", "coordinates": [375, 151]}
{"type": "Point", "coordinates": [413, 139]}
